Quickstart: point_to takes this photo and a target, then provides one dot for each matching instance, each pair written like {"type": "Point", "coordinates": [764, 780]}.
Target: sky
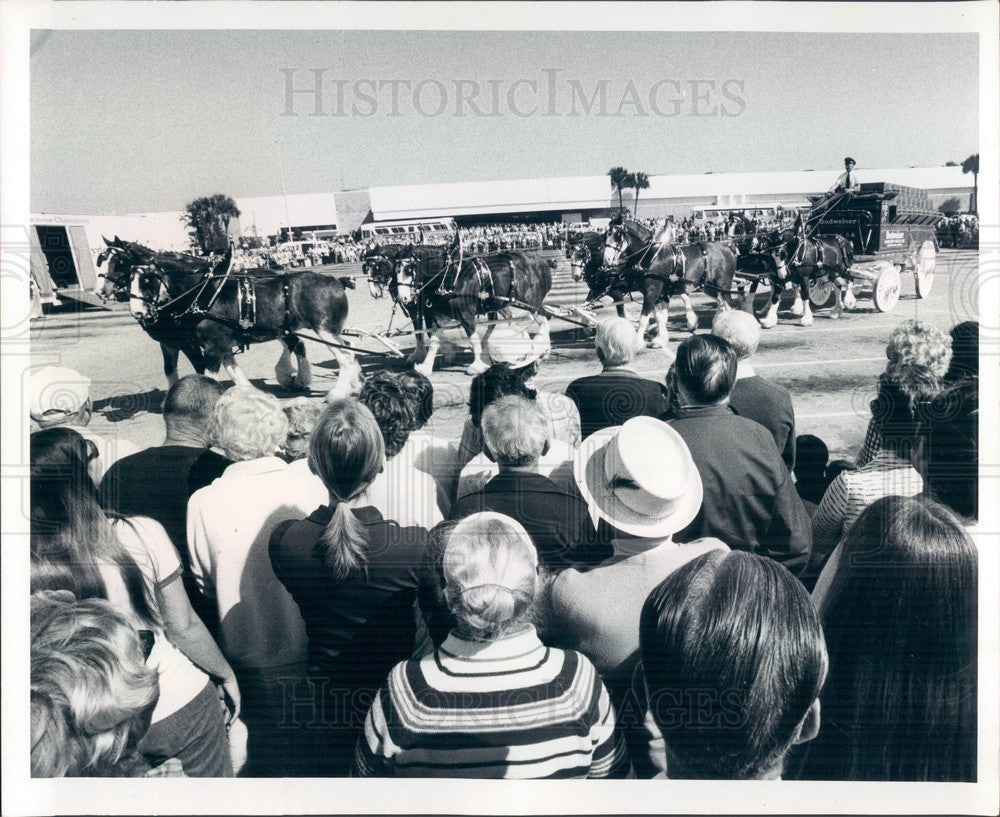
{"type": "Point", "coordinates": [140, 121]}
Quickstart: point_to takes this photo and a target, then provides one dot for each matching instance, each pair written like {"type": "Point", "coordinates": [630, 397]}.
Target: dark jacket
{"type": "Point", "coordinates": [361, 626]}
{"type": "Point", "coordinates": [557, 520]}
{"type": "Point", "coordinates": [612, 397]}
{"type": "Point", "coordinates": [750, 502]}
{"type": "Point", "coordinates": [770, 405]}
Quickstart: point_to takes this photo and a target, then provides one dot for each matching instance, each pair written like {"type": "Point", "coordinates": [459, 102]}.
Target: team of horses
{"type": "Point", "coordinates": [203, 309]}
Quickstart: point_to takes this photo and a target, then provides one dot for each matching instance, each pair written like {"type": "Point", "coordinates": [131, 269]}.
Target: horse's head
{"type": "Point", "coordinates": [147, 292]}
{"type": "Point", "coordinates": [379, 268]}
{"type": "Point", "coordinates": [114, 271]}
{"type": "Point", "coordinates": [407, 280]}
{"type": "Point", "coordinates": [616, 243]}
{"type": "Point", "coordinates": [579, 258]}
{"type": "Point", "coordinates": [784, 245]}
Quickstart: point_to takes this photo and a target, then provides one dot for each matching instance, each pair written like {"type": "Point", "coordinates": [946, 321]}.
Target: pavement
{"type": "Point", "coordinates": [830, 368]}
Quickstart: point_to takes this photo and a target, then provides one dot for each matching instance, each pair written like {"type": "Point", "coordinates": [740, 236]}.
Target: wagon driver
{"type": "Point", "coordinates": [848, 180]}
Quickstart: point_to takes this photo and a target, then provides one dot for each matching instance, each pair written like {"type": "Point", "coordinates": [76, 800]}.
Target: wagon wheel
{"type": "Point", "coordinates": [885, 293]}
{"type": "Point", "coordinates": [924, 268]}
{"type": "Point", "coordinates": [822, 294]}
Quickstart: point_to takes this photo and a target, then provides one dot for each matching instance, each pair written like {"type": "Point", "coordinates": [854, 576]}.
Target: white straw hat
{"type": "Point", "coordinates": [639, 477]}
{"type": "Point", "coordinates": [56, 390]}
{"type": "Point", "coordinates": [514, 348]}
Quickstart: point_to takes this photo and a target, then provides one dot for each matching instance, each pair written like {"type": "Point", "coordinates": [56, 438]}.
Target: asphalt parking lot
{"type": "Point", "coordinates": [830, 368]}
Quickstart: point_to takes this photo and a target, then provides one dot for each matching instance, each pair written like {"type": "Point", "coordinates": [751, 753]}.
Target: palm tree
{"type": "Point", "coordinates": [619, 181]}
{"type": "Point", "coordinates": [208, 219]}
{"type": "Point", "coordinates": [638, 181]}
{"type": "Point", "coordinates": [971, 165]}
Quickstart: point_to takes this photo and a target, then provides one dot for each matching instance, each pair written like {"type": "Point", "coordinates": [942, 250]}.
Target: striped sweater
{"type": "Point", "coordinates": [511, 708]}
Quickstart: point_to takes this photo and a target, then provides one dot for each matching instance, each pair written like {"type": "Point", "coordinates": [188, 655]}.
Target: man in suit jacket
{"type": "Point", "coordinates": [515, 436]}
{"type": "Point", "coordinates": [616, 394]}
{"type": "Point", "coordinates": [752, 395]}
{"type": "Point", "coordinates": [750, 502]}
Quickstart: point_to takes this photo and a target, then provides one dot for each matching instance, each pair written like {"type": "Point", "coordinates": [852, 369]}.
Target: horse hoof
{"type": "Point", "coordinates": [286, 382]}
{"type": "Point", "coordinates": [806, 321]}
{"type": "Point", "coordinates": [692, 325]}
{"type": "Point", "coordinates": [657, 343]}
{"type": "Point", "coordinates": [834, 316]}
{"type": "Point", "coordinates": [767, 323]}
{"type": "Point", "coordinates": [797, 309]}
{"type": "Point", "coordinates": [424, 370]}
{"type": "Point", "coordinates": [476, 368]}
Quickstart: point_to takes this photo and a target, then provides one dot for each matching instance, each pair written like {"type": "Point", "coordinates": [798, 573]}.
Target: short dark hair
{"type": "Point", "coordinates": [386, 397]}
{"type": "Point", "coordinates": [192, 398]}
{"type": "Point", "coordinates": [734, 657]}
{"type": "Point", "coordinates": [499, 381]}
{"type": "Point", "coordinates": [421, 390]}
{"type": "Point", "coordinates": [900, 619]}
{"type": "Point", "coordinates": [706, 367]}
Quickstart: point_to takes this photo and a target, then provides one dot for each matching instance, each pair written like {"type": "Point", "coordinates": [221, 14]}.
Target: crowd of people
{"type": "Point", "coordinates": [960, 231]}
{"type": "Point", "coordinates": [627, 578]}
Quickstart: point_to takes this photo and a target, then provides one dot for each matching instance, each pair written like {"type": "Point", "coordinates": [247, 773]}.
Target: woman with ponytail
{"type": "Point", "coordinates": [131, 563]}
{"type": "Point", "coordinates": [365, 586]}
{"type": "Point", "coordinates": [493, 701]}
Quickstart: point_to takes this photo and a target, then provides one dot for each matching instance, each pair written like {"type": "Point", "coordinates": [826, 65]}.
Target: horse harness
{"type": "Point", "coordinates": [246, 303]}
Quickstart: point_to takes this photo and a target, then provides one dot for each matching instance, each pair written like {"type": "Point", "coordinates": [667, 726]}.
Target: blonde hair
{"type": "Point", "coordinates": [490, 568]}
{"type": "Point", "coordinates": [914, 343]}
{"type": "Point", "coordinates": [248, 424]}
{"type": "Point", "coordinates": [91, 692]}
{"type": "Point", "coordinates": [346, 452]}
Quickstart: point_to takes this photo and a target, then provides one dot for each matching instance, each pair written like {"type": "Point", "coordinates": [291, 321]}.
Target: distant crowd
{"type": "Point", "coordinates": [626, 578]}
{"type": "Point", "coordinates": [959, 231]}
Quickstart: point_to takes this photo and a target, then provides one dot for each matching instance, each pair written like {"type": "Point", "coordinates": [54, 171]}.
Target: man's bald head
{"type": "Point", "coordinates": [187, 409]}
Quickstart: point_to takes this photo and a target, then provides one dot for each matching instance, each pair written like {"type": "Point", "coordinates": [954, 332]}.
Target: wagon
{"type": "Point", "coordinates": [892, 230]}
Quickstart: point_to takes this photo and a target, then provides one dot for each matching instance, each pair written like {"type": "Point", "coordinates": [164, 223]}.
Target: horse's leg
{"type": "Point", "coordinates": [662, 312]}
{"type": "Point", "coordinates": [213, 367]}
{"type": "Point", "coordinates": [690, 318]}
{"type": "Point", "coordinates": [349, 370]}
{"type": "Point", "coordinates": [433, 344]}
{"type": "Point", "coordinates": [644, 324]}
{"type": "Point", "coordinates": [838, 307]}
{"type": "Point", "coordinates": [748, 295]}
{"type": "Point", "coordinates": [770, 319]}
{"type": "Point", "coordinates": [850, 301]}
{"type": "Point", "coordinates": [235, 372]}
{"type": "Point", "coordinates": [303, 377]}
{"type": "Point", "coordinates": [798, 310]}
{"type": "Point", "coordinates": [807, 315]}
{"type": "Point", "coordinates": [284, 372]}
{"type": "Point", "coordinates": [170, 356]}
{"type": "Point", "coordinates": [420, 350]}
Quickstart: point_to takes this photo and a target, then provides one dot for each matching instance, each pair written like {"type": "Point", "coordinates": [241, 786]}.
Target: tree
{"type": "Point", "coordinates": [208, 220]}
{"type": "Point", "coordinates": [971, 165]}
{"type": "Point", "coordinates": [638, 181]}
{"type": "Point", "coordinates": [619, 181]}
{"type": "Point", "coordinates": [950, 206]}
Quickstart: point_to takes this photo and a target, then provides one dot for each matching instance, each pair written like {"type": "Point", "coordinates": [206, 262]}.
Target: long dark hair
{"type": "Point", "coordinates": [71, 537]}
{"type": "Point", "coordinates": [900, 622]}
